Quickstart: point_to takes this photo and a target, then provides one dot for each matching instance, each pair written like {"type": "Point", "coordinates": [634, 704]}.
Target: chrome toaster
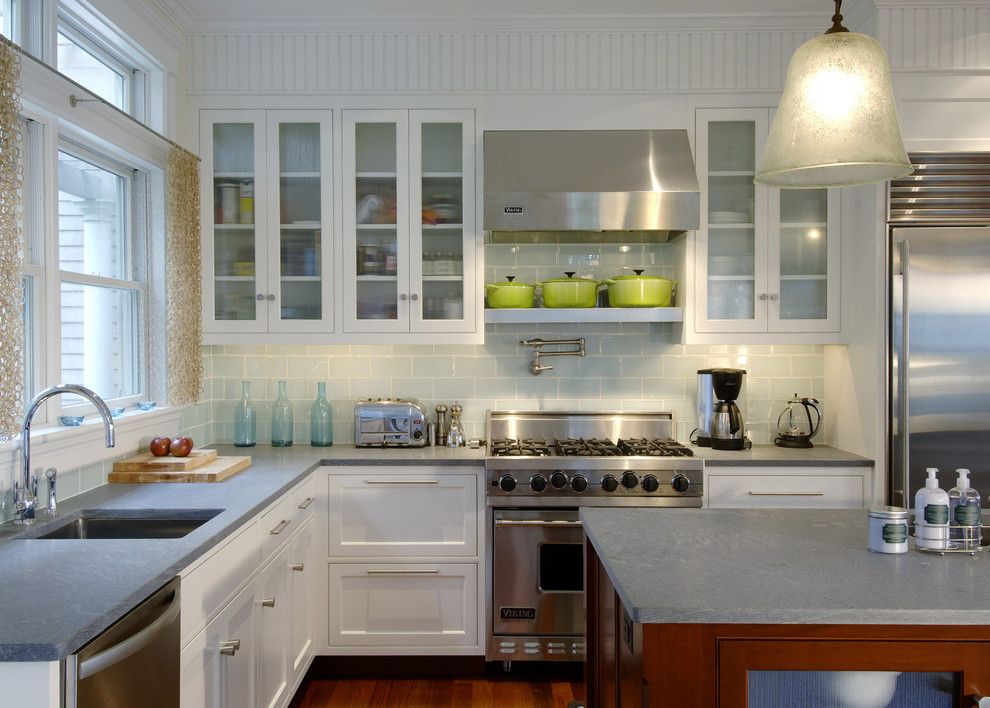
{"type": "Point", "coordinates": [385, 423]}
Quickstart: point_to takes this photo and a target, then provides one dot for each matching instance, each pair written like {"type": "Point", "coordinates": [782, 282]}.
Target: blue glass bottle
{"type": "Point", "coordinates": [321, 419]}
{"type": "Point", "coordinates": [245, 419]}
{"type": "Point", "coordinates": [281, 419]}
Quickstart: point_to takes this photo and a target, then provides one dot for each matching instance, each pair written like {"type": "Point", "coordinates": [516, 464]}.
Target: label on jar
{"type": "Point", "coordinates": [967, 515]}
{"type": "Point", "coordinates": [895, 533]}
{"type": "Point", "coordinates": [936, 514]}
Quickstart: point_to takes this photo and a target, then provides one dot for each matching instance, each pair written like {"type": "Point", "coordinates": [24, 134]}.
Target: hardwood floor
{"type": "Point", "coordinates": [501, 692]}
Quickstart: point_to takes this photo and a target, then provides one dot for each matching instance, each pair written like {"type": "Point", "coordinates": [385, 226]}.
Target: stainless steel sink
{"type": "Point", "coordinates": [157, 524]}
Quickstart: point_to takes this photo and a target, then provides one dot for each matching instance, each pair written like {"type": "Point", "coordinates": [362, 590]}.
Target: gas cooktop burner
{"type": "Point", "coordinates": [588, 447]}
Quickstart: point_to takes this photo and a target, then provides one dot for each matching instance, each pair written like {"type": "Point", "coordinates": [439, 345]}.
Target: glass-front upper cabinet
{"type": "Point", "coordinates": [266, 221]}
{"type": "Point", "coordinates": [409, 216]}
{"type": "Point", "coordinates": [766, 260]}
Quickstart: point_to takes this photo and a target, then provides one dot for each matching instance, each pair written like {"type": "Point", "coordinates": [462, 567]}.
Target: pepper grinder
{"type": "Point", "coordinates": [441, 424]}
{"type": "Point", "coordinates": [455, 436]}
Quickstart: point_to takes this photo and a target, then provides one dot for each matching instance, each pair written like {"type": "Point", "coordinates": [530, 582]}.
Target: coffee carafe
{"type": "Point", "coordinates": [728, 427]}
{"type": "Point", "coordinates": [798, 423]}
{"type": "Point", "coordinates": [702, 434]}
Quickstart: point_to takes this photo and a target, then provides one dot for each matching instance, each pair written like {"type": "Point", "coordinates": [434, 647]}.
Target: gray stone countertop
{"type": "Point", "coordinates": [773, 456]}
{"type": "Point", "coordinates": [59, 594]}
{"type": "Point", "coordinates": [778, 566]}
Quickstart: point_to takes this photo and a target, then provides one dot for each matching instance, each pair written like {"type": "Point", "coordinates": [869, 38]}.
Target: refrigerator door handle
{"type": "Point", "coordinates": [903, 367]}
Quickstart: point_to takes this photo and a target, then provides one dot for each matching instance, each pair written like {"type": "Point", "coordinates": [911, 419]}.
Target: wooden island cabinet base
{"type": "Point", "coordinates": [706, 665]}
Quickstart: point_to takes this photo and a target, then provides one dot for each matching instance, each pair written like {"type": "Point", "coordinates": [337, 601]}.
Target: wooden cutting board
{"type": "Point", "coordinates": [146, 462]}
{"type": "Point", "coordinates": [216, 470]}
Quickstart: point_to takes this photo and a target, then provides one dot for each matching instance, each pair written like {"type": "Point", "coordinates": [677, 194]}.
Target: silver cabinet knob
{"type": "Point", "coordinates": [268, 602]}
{"type": "Point", "coordinates": [259, 297]}
{"type": "Point", "coordinates": [271, 297]}
{"type": "Point", "coordinates": [403, 297]}
{"type": "Point", "coordinates": [297, 567]}
{"type": "Point", "coordinates": [229, 647]}
{"type": "Point", "coordinates": [414, 297]}
{"type": "Point", "coordinates": [763, 296]}
{"type": "Point", "coordinates": [774, 296]}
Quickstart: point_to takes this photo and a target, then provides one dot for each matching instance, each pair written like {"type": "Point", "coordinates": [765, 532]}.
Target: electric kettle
{"type": "Point", "coordinates": [798, 423]}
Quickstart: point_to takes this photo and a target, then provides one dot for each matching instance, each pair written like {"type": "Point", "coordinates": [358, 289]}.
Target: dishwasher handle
{"type": "Point", "coordinates": [134, 643]}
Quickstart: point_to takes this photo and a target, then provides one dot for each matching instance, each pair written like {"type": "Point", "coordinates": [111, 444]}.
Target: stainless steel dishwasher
{"type": "Point", "coordinates": [134, 662]}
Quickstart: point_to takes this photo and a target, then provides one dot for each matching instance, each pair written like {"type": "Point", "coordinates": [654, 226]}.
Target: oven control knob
{"type": "Point", "coordinates": [609, 483]}
{"type": "Point", "coordinates": [538, 483]}
{"type": "Point", "coordinates": [630, 480]}
{"type": "Point", "coordinates": [650, 483]}
{"type": "Point", "coordinates": [558, 480]}
{"type": "Point", "coordinates": [579, 483]}
{"type": "Point", "coordinates": [680, 483]}
{"type": "Point", "coordinates": [506, 482]}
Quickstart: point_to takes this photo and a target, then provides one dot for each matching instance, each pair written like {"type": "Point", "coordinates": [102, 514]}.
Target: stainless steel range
{"type": "Point", "coordinates": [541, 466]}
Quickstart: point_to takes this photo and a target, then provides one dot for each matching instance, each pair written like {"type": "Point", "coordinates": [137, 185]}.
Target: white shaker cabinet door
{"type": "Point", "coordinates": [273, 623]}
{"type": "Point", "coordinates": [412, 514]}
{"type": "Point", "coordinates": [302, 588]}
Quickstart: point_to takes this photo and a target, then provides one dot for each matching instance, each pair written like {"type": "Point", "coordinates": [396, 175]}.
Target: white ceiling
{"type": "Point", "coordinates": [255, 10]}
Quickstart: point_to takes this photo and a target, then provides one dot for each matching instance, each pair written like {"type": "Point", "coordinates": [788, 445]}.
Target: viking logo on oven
{"type": "Point", "coordinates": [518, 613]}
{"type": "Point", "coordinates": [513, 210]}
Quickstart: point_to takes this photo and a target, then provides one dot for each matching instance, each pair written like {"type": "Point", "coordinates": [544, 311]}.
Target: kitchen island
{"type": "Point", "coordinates": [683, 604]}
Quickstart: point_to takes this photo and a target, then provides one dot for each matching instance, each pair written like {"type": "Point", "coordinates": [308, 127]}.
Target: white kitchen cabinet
{"type": "Point", "coordinates": [408, 514]}
{"type": "Point", "coordinates": [302, 594]}
{"type": "Point", "coordinates": [787, 487]}
{"type": "Point", "coordinates": [274, 622]}
{"type": "Point", "coordinates": [408, 205]}
{"type": "Point", "coordinates": [267, 223]}
{"type": "Point", "coordinates": [405, 573]}
{"type": "Point", "coordinates": [766, 260]}
{"type": "Point", "coordinates": [424, 605]}
{"type": "Point", "coordinates": [218, 666]}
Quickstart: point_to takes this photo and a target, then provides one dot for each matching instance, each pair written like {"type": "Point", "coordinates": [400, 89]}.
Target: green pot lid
{"type": "Point", "coordinates": [570, 279]}
{"type": "Point", "coordinates": [639, 276]}
{"type": "Point", "coordinates": [511, 283]}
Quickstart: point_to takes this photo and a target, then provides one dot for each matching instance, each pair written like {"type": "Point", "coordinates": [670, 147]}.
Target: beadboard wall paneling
{"type": "Point", "coordinates": [940, 36]}
{"type": "Point", "coordinates": [464, 61]}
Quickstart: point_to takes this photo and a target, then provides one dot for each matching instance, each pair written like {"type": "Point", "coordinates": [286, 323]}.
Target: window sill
{"type": "Point", "coordinates": [70, 448]}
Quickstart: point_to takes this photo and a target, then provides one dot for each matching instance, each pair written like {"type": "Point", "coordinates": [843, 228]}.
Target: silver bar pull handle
{"type": "Point", "coordinates": [297, 567]}
{"type": "Point", "coordinates": [535, 522]}
{"type": "Point", "coordinates": [408, 571]}
{"type": "Point", "coordinates": [229, 647]}
{"type": "Point", "coordinates": [268, 602]}
{"type": "Point", "coordinates": [280, 528]}
{"type": "Point", "coordinates": [816, 493]}
{"type": "Point", "coordinates": [306, 502]}
{"type": "Point", "coordinates": [903, 364]}
{"type": "Point", "coordinates": [402, 481]}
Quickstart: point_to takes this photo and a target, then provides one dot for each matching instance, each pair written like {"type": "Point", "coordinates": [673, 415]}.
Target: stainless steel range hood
{"type": "Point", "coordinates": [589, 185]}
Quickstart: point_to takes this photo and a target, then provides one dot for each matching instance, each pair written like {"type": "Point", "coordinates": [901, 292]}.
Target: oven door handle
{"type": "Point", "coordinates": [535, 522]}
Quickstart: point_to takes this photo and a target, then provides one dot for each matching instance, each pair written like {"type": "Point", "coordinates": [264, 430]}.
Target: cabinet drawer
{"type": "Point", "coordinates": [403, 604]}
{"type": "Point", "coordinates": [207, 585]}
{"type": "Point", "coordinates": [277, 524]}
{"type": "Point", "coordinates": [406, 515]}
{"type": "Point", "coordinates": [791, 491]}
{"type": "Point", "coordinates": [303, 500]}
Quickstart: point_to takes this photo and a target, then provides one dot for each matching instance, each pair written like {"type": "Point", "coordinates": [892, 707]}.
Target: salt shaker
{"type": "Point", "coordinates": [441, 424]}
{"type": "Point", "coordinates": [455, 436]}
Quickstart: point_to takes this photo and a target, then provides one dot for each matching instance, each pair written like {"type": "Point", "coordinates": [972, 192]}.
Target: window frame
{"type": "Point", "coordinates": [133, 187]}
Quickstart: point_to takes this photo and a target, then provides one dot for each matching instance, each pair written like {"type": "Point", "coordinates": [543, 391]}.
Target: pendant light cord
{"type": "Point", "coordinates": [837, 20]}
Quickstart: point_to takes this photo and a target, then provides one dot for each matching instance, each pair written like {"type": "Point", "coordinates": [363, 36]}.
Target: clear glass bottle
{"type": "Point", "coordinates": [321, 419]}
{"type": "Point", "coordinates": [245, 419]}
{"type": "Point", "coordinates": [281, 419]}
{"type": "Point", "coordinates": [964, 514]}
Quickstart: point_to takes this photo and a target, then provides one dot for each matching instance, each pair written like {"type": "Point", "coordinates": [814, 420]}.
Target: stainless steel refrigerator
{"type": "Point", "coordinates": [939, 363]}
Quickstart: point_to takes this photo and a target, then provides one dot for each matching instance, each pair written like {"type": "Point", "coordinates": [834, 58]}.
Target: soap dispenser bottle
{"type": "Point", "coordinates": [931, 515]}
{"type": "Point", "coordinates": [964, 513]}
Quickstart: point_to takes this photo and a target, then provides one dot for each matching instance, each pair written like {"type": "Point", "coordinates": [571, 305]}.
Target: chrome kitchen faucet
{"type": "Point", "coordinates": [26, 492]}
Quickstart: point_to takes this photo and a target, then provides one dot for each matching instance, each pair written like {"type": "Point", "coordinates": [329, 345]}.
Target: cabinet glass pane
{"type": "Point", "coordinates": [731, 233]}
{"type": "Point", "coordinates": [234, 265]}
{"type": "Point", "coordinates": [443, 232]}
{"type": "Point", "coordinates": [377, 244]}
{"type": "Point", "coordinates": [859, 689]}
{"type": "Point", "coordinates": [300, 212]}
{"type": "Point", "coordinates": [803, 254]}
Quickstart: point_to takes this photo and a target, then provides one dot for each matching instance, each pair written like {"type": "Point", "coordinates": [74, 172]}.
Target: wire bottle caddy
{"type": "Point", "coordinates": [975, 539]}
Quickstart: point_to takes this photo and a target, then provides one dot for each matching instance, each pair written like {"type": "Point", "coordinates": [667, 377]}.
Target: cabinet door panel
{"type": "Point", "coordinates": [237, 672]}
{"type": "Point", "coordinates": [234, 177]}
{"type": "Point", "coordinates": [300, 257]}
{"type": "Point", "coordinates": [199, 670]}
{"type": "Point", "coordinates": [302, 581]}
{"type": "Point", "coordinates": [403, 604]}
{"type": "Point", "coordinates": [274, 626]}
{"type": "Point", "coordinates": [403, 515]}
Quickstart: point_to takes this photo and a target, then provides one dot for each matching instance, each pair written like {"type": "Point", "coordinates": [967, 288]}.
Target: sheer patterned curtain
{"type": "Point", "coordinates": [11, 245]}
{"type": "Point", "coordinates": [182, 278]}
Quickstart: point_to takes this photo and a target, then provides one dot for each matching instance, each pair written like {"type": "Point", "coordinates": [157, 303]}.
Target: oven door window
{"type": "Point", "coordinates": [561, 567]}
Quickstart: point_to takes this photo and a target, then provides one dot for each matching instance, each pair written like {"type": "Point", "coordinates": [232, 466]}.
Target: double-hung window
{"type": "Point", "coordinates": [102, 284]}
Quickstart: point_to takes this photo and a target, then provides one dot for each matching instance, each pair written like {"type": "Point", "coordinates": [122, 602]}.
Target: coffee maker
{"type": "Point", "coordinates": [702, 434]}
{"type": "Point", "coordinates": [728, 427]}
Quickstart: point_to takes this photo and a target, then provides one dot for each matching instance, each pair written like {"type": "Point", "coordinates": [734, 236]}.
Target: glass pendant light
{"type": "Point", "coordinates": [836, 125]}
